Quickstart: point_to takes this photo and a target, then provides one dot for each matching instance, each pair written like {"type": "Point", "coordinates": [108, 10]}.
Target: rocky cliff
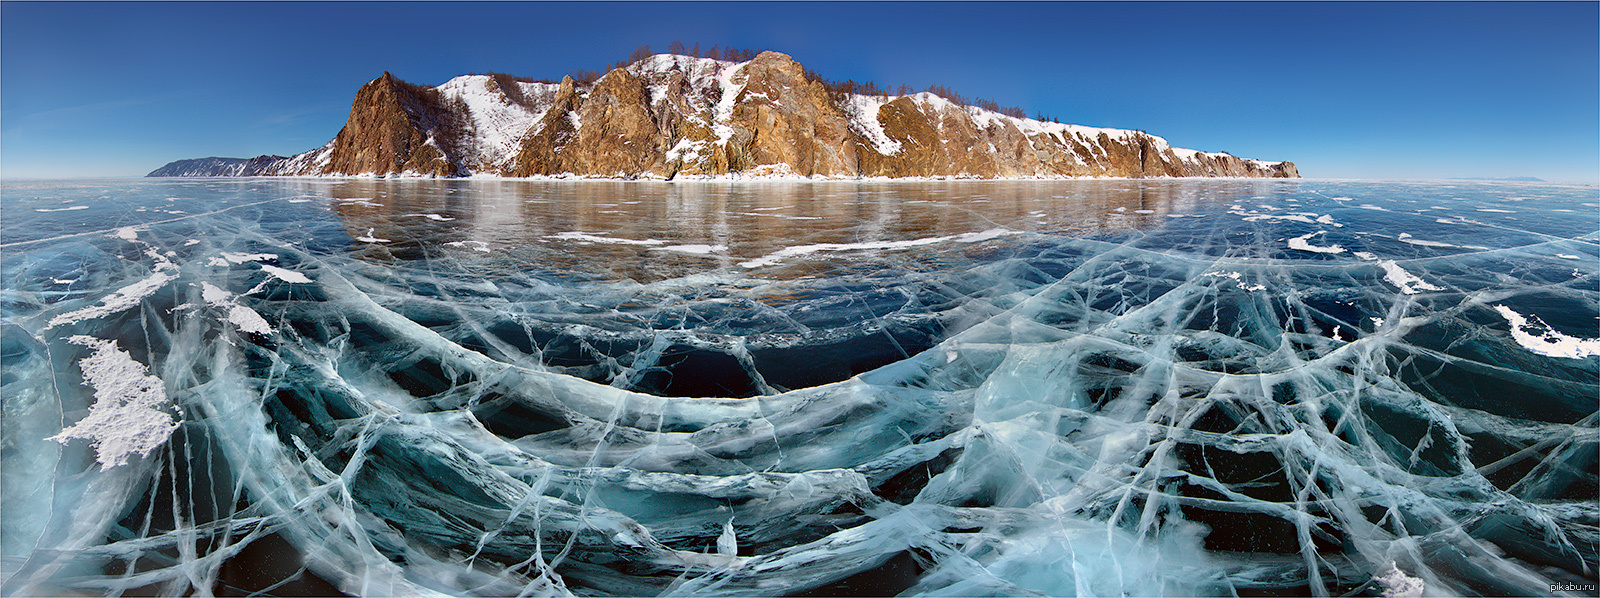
{"type": "Point", "coordinates": [672, 116]}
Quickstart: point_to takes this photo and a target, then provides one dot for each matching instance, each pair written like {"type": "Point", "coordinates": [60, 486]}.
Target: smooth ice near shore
{"type": "Point", "coordinates": [952, 389]}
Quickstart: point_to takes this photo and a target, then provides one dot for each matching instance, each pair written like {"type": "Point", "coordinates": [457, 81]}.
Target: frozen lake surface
{"type": "Point", "coordinates": [471, 387]}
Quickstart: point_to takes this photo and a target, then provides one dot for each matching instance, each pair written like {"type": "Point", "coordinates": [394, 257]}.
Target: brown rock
{"type": "Point", "coordinates": [539, 154]}
{"type": "Point", "coordinates": [781, 118]}
{"type": "Point", "coordinates": [666, 117]}
{"type": "Point", "coordinates": [385, 132]}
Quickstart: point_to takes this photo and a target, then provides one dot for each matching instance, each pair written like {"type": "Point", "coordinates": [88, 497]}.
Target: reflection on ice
{"type": "Point", "coordinates": [948, 389]}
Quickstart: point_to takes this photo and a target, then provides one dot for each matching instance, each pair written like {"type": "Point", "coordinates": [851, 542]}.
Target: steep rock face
{"type": "Point", "coordinates": [780, 118]}
{"type": "Point", "coordinates": [672, 116]}
{"type": "Point", "coordinates": [388, 132]}
{"type": "Point", "coordinates": [551, 134]}
{"type": "Point", "coordinates": [618, 135]}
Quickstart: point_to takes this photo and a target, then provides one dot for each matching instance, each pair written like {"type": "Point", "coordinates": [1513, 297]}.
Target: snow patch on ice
{"type": "Point", "coordinates": [368, 238]}
{"type": "Point", "coordinates": [693, 249]}
{"type": "Point", "coordinates": [1407, 238]}
{"type": "Point", "coordinates": [474, 245]}
{"type": "Point", "coordinates": [240, 258]}
{"type": "Point", "coordinates": [586, 237]}
{"type": "Point", "coordinates": [1235, 276]}
{"type": "Point", "coordinates": [1303, 243]}
{"type": "Point", "coordinates": [789, 252]}
{"type": "Point", "coordinates": [1537, 336]}
{"type": "Point", "coordinates": [285, 274]}
{"type": "Point", "coordinates": [1396, 584]}
{"type": "Point", "coordinates": [129, 415]}
{"type": "Point", "coordinates": [122, 299]}
{"type": "Point", "coordinates": [1407, 282]}
{"type": "Point", "coordinates": [433, 217]}
{"type": "Point", "coordinates": [242, 317]}
{"type": "Point", "coordinates": [66, 209]}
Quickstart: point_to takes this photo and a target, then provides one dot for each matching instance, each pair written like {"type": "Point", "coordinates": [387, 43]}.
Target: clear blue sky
{"type": "Point", "coordinates": [1346, 90]}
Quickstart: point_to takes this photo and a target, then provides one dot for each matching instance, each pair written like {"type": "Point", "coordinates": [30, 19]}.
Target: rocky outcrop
{"type": "Point", "coordinates": [673, 116]}
{"type": "Point", "coordinates": [781, 118]}
{"type": "Point", "coordinates": [393, 129]}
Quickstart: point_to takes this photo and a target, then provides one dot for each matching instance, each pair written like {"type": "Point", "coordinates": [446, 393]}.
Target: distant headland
{"type": "Point", "coordinates": [676, 116]}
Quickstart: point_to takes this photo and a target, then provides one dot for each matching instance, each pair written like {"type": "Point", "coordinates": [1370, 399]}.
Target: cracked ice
{"type": "Point", "coordinates": [947, 389]}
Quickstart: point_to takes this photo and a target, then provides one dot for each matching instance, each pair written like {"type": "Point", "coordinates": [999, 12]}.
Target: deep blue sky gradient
{"type": "Point", "coordinates": [1346, 90]}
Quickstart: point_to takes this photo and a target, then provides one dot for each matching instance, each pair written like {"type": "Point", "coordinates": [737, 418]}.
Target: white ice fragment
{"type": "Point", "coordinates": [1144, 211]}
{"type": "Point", "coordinates": [66, 209]}
{"type": "Point", "coordinates": [1302, 243]}
{"type": "Point", "coordinates": [1407, 282]}
{"type": "Point", "coordinates": [122, 299]}
{"type": "Point", "coordinates": [1369, 256]}
{"type": "Point", "coordinates": [475, 245]}
{"type": "Point", "coordinates": [1376, 322]}
{"type": "Point", "coordinates": [212, 294]}
{"type": "Point", "coordinates": [248, 320]}
{"type": "Point", "coordinates": [1407, 238]}
{"type": "Point", "coordinates": [728, 542]}
{"type": "Point", "coordinates": [191, 242]}
{"type": "Point", "coordinates": [368, 238]}
{"type": "Point", "coordinates": [240, 258]}
{"type": "Point", "coordinates": [788, 252]}
{"type": "Point", "coordinates": [693, 249]}
{"type": "Point", "coordinates": [240, 316]}
{"type": "Point", "coordinates": [1540, 338]}
{"type": "Point", "coordinates": [434, 217]}
{"type": "Point", "coordinates": [63, 280]}
{"type": "Point", "coordinates": [1497, 211]}
{"type": "Point", "coordinates": [1568, 256]}
{"type": "Point", "coordinates": [1235, 276]}
{"type": "Point", "coordinates": [582, 236]}
{"type": "Point", "coordinates": [285, 274]}
{"type": "Point", "coordinates": [127, 233]}
{"type": "Point", "coordinates": [1328, 220]}
{"type": "Point", "coordinates": [129, 412]}
{"type": "Point", "coordinates": [1396, 584]}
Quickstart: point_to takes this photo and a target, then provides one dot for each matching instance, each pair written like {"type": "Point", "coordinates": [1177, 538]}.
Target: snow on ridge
{"type": "Point", "coordinates": [500, 124]}
{"type": "Point", "coordinates": [730, 96]}
{"type": "Point", "coordinates": [863, 112]}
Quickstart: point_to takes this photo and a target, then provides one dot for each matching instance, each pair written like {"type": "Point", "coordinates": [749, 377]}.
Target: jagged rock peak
{"type": "Point", "coordinates": [668, 116]}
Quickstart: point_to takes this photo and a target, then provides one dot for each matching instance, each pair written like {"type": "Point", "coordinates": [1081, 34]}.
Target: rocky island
{"type": "Point", "coordinates": [670, 116]}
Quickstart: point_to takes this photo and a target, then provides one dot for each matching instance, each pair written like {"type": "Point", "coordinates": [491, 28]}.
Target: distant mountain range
{"type": "Point", "coordinates": [671, 116]}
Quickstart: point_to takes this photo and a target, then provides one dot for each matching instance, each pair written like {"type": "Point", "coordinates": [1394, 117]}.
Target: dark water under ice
{"type": "Point", "coordinates": [469, 387]}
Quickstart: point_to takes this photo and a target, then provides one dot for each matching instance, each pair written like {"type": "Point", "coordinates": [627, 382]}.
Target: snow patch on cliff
{"type": "Point", "coordinates": [863, 112]}
{"type": "Point", "coordinates": [500, 124]}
